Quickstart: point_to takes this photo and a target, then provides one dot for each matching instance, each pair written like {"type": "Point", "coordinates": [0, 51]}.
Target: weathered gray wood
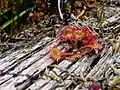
{"type": "Point", "coordinates": [17, 83]}
{"type": "Point", "coordinates": [61, 74]}
{"type": "Point", "coordinates": [11, 61]}
{"type": "Point", "coordinates": [38, 66]}
{"type": "Point", "coordinates": [80, 65]}
{"type": "Point", "coordinates": [38, 84]}
{"type": "Point", "coordinates": [112, 19]}
{"type": "Point", "coordinates": [4, 78]}
{"type": "Point", "coordinates": [50, 85]}
{"type": "Point", "coordinates": [11, 80]}
{"type": "Point", "coordinates": [73, 70]}
{"type": "Point", "coordinates": [98, 69]}
{"type": "Point", "coordinates": [103, 70]}
{"type": "Point", "coordinates": [31, 66]}
{"type": "Point", "coordinates": [28, 63]}
{"type": "Point", "coordinates": [63, 64]}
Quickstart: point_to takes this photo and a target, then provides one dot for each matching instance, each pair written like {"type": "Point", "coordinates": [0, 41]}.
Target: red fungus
{"type": "Point", "coordinates": [78, 34]}
{"type": "Point", "coordinates": [79, 40]}
{"type": "Point", "coordinates": [55, 54]}
{"type": "Point", "coordinates": [67, 33]}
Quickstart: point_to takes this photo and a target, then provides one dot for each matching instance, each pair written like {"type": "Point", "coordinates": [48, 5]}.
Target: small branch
{"type": "Point", "coordinates": [83, 11]}
{"type": "Point", "coordinates": [59, 9]}
{"type": "Point", "coordinates": [115, 70]}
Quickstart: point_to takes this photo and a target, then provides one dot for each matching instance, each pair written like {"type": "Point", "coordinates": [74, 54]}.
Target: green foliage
{"type": "Point", "coordinates": [12, 12]}
{"type": "Point", "coordinates": [115, 81]}
{"type": "Point", "coordinates": [100, 13]}
{"type": "Point", "coordinates": [13, 19]}
{"type": "Point", "coordinates": [100, 18]}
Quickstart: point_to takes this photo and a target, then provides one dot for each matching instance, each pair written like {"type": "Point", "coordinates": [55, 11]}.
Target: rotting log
{"type": "Point", "coordinates": [65, 77]}
{"type": "Point", "coordinates": [26, 69]}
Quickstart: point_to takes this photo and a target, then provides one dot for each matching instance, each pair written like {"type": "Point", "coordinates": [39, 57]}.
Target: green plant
{"type": "Point", "coordinates": [12, 13]}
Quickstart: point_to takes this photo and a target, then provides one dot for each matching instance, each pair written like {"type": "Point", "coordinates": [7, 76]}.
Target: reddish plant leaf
{"type": "Point", "coordinates": [79, 41]}
{"type": "Point", "coordinates": [67, 33]}
{"type": "Point", "coordinates": [78, 34]}
{"type": "Point", "coordinates": [55, 54]}
{"type": "Point", "coordinates": [94, 86]}
{"type": "Point", "coordinates": [40, 5]}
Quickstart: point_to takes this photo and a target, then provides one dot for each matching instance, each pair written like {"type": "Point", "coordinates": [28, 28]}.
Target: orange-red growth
{"type": "Point", "coordinates": [80, 40]}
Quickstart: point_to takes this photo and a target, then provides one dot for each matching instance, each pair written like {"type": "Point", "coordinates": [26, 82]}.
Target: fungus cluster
{"type": "Point", "coordinates": [76, 41]}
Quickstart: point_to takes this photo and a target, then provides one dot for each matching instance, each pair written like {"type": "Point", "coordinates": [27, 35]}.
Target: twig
{"type": "Point", "coordinates": [115, 70]}
{"type": "Point", "coordinates": [83, 11]}
{"type": "Point", "coordinates": [59, 9]}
